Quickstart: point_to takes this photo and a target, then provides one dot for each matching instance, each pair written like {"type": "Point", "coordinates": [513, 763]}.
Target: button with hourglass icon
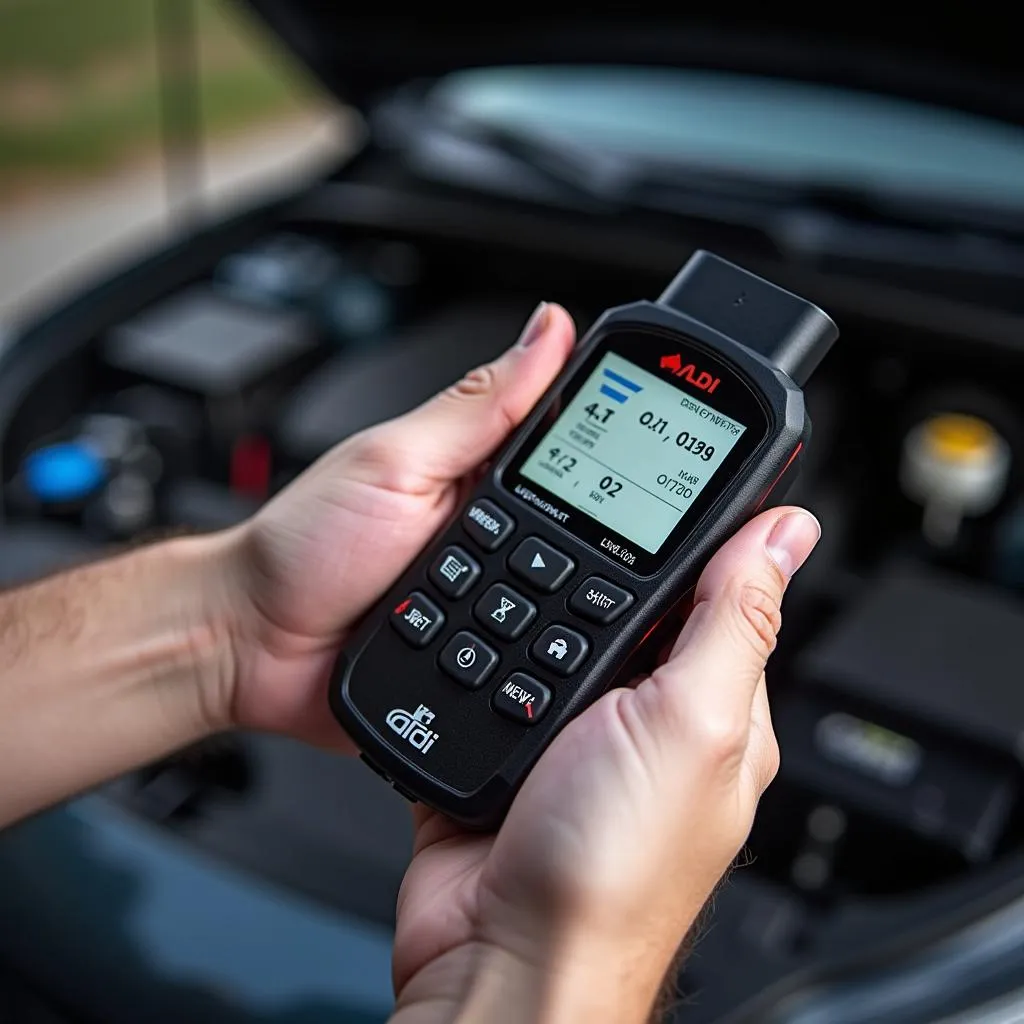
{"type": "Point", "coordinates": [504, 612]}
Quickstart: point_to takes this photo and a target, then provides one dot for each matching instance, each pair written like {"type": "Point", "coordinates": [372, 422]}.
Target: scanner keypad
{"type": "Point", "coordinates": [506, 615]}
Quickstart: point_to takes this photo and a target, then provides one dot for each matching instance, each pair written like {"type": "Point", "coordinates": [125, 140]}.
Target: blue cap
{"type": "Point", "coordinates": [63, 472]}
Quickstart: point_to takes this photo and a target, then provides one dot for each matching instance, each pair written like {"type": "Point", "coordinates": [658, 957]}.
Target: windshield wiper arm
{"type": "Point", "coordinates": [812, 222]}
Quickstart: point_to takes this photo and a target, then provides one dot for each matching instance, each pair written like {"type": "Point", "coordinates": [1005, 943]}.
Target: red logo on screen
{"type": "Point", "coordinates": [698, 378]}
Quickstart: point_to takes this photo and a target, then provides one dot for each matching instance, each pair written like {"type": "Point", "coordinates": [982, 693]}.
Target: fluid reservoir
{"type": "Point", "coordinates": [64, 473]}
{"type": "Point", "coordinates": [956, 466]}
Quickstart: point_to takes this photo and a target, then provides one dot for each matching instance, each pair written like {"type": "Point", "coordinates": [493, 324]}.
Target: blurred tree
{"type": "Point", "coordinates": [80, 85]}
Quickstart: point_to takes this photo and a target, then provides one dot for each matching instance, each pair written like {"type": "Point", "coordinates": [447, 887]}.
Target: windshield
{"type": "Point", "coordinates": [745, 125]}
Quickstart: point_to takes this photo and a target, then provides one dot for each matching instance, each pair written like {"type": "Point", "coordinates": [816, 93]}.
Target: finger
{"type": "Point", "coordinates": [462, 426]}
{"type": "Point", "coordinates": [762, 756]}
{"type": "Point", "coordinates": [430, 827]}
{"type": "Point", "coordinates": [721, 654]}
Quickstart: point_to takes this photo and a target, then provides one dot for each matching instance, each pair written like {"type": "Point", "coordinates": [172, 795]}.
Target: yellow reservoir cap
{"type": "Point", "coordinates": [959, 438]}
{"type": "Point", "coordinates": [954, 465]}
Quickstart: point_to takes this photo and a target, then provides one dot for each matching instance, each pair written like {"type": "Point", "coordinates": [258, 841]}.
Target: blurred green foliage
{"type": "Point", "coordinates": [68, 35]}
{"type": "Point", "coordinates": [79, 88]}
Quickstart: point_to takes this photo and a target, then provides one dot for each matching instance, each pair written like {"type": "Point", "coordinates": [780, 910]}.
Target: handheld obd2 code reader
{"type": "Point", "coordinates": [672, 424]}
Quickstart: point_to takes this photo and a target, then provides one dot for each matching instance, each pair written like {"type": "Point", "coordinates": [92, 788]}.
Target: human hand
{"type": "Point", "coordinates": [575, 909]}
{"type": "Point", "coordinates": [321, 552]}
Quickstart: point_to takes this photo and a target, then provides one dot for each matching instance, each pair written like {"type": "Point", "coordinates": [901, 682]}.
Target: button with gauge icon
{"type": "Point", "coordinates": [468, 660]}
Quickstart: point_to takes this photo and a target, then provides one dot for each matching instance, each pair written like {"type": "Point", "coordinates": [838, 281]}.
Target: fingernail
{"type": "Point", "coordinates": [792, 539]}
{"type": "Point", "coordinates": [534, 326]}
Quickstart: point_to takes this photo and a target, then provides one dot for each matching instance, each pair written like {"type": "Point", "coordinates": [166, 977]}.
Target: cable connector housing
{"type": "Point", "coordinates": [792, 333]}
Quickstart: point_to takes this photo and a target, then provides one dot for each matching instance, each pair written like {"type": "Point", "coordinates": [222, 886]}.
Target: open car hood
{"type": "Point", "coordinates": [966, 62]}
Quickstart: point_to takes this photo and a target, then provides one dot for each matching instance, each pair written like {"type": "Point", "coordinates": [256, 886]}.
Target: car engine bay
{"type": "Point", "coordinates": [183, 393]}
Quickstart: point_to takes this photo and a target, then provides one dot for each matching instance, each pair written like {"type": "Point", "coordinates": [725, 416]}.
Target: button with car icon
{"type": "Point", "coordinates": [560, 649]}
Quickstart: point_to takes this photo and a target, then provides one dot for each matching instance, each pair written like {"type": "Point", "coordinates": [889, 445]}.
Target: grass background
{"type": "Point", "coordinates": [79, 88]}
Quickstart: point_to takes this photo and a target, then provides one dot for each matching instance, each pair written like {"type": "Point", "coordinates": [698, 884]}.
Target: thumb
{"type": "Point", "coordinates": [703, 696]}
{"type": "Point", "coordinates": [459, 428]}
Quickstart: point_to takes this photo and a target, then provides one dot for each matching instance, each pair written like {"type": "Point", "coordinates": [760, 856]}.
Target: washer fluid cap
{"type": "Point", "coordinates": [955, 466]}
{"type": "Point", "coordinates": [67, 471]}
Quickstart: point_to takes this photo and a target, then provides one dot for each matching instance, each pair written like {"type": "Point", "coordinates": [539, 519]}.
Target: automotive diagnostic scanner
{"type": "Point", "coordinates": [672, 424]}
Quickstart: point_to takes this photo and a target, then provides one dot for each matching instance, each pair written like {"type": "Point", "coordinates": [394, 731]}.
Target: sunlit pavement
{"type": "Point", "coordinates": [50, 245]}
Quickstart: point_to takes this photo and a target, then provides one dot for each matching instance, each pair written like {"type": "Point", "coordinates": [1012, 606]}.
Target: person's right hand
{"type": "Point", "coordinates": [575, 909]}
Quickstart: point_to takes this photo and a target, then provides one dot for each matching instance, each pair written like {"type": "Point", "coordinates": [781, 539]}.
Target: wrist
{"type": "Point", "coordinates": [571, 981]}
{"type": "Point", "coordinates": [113, 665]}
{"type": "Point", "coordinates": [206, 601]}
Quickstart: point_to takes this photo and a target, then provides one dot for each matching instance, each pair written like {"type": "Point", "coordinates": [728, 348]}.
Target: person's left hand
{"type": "Point", "coordinates": [318, 555]}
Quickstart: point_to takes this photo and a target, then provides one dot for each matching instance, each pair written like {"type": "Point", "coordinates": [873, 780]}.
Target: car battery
{"type": "Point", "coordinates": [235, 362]}
{"type": "Point", "coordinates": [849, 757]}
{"type": "Point", "coordinates": [909, 706]}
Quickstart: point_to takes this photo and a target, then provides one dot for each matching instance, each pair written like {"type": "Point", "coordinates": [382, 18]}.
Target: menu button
{"type": "Point", "coordinates": [522, 699]}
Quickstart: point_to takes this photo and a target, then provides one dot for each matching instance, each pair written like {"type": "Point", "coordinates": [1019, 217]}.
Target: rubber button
{"type": "Point", "coordinates": [417, 619]}
{"type": "Point", "coordinates": [454, 572]}
{"type": "Point", "coordinates": [599, 601]}
{"type": "Point", "coordinates": [468, 660]}
{"type": "Point", "coordinates": [504, 612]}
{"type": "Point", "coordinates": [545, 568]}
{"type": "Point", "coordinates": [522, 699]}
{"type": "Point", "coordinates": [487, 524]}
{"type": "Point", "coordinates": [560, 649]}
